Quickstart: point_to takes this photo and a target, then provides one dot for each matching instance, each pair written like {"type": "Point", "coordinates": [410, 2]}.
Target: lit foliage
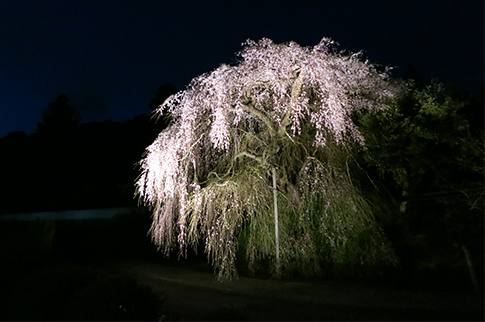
{"type": "Point", "coordinates": [208, 175]}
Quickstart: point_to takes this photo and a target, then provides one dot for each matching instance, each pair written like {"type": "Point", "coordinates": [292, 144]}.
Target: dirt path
{"type": "Point", "coordinates": [191, 294]}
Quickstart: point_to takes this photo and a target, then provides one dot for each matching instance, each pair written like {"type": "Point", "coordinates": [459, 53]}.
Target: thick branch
{"type": "Point", "coordinates": [249, 155]}
{"type": "Point", "coordinates": [261, 116]}
{"type": "Point", "coordinates": [295, 93]}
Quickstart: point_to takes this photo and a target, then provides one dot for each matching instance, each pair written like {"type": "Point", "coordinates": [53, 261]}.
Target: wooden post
{"type": "Point", "coordinates": [469, 263]}
{"type": "Point", "coordinates": [275, 198]}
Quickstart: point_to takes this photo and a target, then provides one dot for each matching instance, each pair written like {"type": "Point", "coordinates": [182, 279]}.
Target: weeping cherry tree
{"type": "Point", "coordinates": [256, 159]}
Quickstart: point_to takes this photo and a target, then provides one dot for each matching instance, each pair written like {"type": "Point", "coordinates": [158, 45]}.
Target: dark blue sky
{"type": "Point", "coordinates": [110, 56]}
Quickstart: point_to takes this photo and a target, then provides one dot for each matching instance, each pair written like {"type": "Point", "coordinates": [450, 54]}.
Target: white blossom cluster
{"type": "Point", "coordinates": [283, 81]}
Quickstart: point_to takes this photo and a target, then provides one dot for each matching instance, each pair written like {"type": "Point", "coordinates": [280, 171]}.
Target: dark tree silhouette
{"type": "Point", "coordinates": [163, 92]}
{"type": "Point", "coordinates": [55, 150]}
{"type": "Point", "coordinates": [59, 118]}
{"type": "Point", "coordinates": [411, 73]}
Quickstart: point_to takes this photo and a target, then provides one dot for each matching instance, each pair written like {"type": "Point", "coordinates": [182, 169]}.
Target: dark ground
{"type": "Point", "coordinates": [192, 293]}
{"type": "Point", "coordinates": [107, 269]}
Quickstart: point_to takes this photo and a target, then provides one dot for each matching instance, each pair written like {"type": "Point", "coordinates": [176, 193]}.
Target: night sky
{"type": "Point", "coordinates": [110, 56]}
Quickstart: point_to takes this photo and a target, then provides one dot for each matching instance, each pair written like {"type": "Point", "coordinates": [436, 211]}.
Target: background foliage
{"type": "Point", "coordinates": [428, 157]}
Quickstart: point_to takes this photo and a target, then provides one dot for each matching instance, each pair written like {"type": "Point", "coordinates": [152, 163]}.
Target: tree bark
{"type": "Point", "coordinates": [295, 93]}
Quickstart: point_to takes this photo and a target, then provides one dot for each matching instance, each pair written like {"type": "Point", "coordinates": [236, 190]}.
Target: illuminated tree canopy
{"type": "Point", "coordinates": [279, 118]}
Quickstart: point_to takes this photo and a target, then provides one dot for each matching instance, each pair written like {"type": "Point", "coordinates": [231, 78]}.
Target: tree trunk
{"type": "Point", "coordinates": [405, 193]}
